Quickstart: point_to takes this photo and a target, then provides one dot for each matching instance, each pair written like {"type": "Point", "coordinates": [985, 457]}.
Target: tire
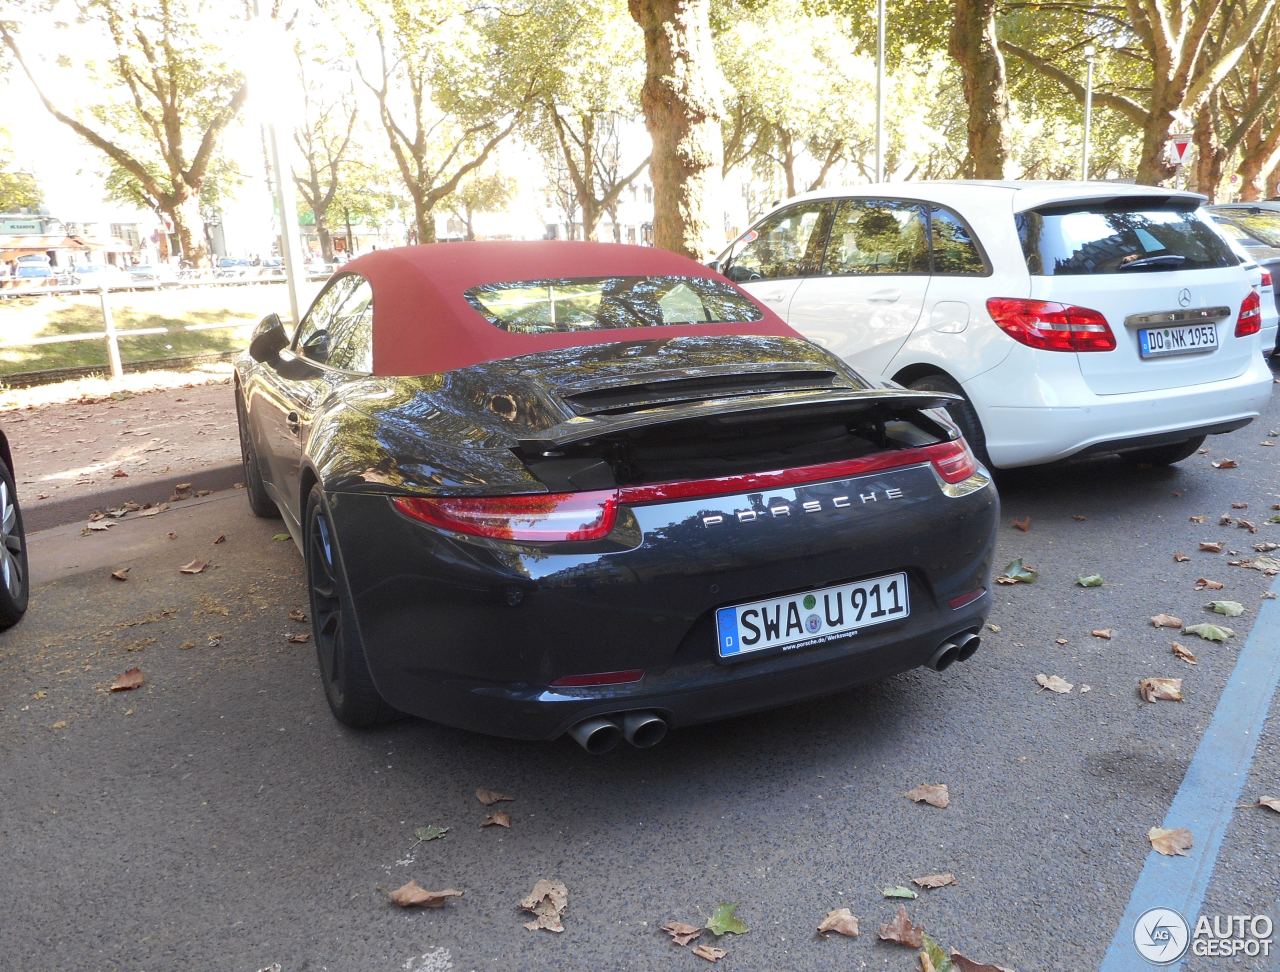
{"type": "Point", "coordinates": [961, 412]}
{"type": "Point", "coordinates": [259, 501]}
{"type": "Point", "coordinates": [14, 579]}
{"type": "Point", "coordinates": [344, 670]}
{"type": "Point", "coordinates": [1165, 455]}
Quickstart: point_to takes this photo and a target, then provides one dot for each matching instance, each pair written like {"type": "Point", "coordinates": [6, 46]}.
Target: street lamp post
{"type": "Point", "coordinates": [1090, 52]}
{"type": "Point", "coordinates": [879, 90]}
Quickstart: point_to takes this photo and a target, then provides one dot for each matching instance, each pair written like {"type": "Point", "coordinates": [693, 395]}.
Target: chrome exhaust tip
{"type": "Point", "coordinates": [942, 659]}
{"type": "Point", "coordinates": [597, 736]}
{"type": "Point", "coordinates": [968, 644]}
{"type": "Point", "coordinates": [644, 729]}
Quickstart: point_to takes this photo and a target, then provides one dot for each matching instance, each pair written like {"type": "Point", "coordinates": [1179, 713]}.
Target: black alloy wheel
{"type": "Point", "coordinates": [348, 686]}
{"type": "Point", "coordinates": [961, 412]}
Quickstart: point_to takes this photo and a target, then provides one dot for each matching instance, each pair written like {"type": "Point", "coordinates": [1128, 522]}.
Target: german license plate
{"type": "Point", "coordinates": [1157, 341]}
{"type": "Point", "coordinates": [812, 617]}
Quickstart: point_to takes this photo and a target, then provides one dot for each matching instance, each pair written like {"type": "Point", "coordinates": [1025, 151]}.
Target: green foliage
{"type": "Point", "coordinates": [725, 921]}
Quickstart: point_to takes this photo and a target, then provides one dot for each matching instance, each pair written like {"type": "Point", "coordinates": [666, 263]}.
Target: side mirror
{"type": "Point", "coordinates": [269, 339]}
{"type": "Point", "coordinates": [714, 265]}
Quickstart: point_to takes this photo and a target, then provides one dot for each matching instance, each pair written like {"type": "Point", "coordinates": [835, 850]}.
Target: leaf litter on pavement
{"type": "Point", "coordinates": [1171, 842]}
{"type": "Point", "coordinates": [724, 920]}
{"type": "Point", "coordinates": [1054, 683]}
{"type": "Point", "coordinates": [934, 794]}
{"type": "Point", "coordinates": [547, 903]}
{"type": "Point", "coordinates": [414, 895]}
{"type": "Point", "coordinates": [842, 921]}
{"type": "Point", "coordinates": [1160, 689]}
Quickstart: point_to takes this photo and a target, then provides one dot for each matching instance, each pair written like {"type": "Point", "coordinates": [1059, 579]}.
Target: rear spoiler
{"type": "Point", "coordinates": [582, 428]}
{"type": "Point", "coordinates": [1175, 198]}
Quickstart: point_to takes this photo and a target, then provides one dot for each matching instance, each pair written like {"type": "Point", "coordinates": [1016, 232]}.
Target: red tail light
{"type": "Point", "coordinates": [590, 516]}
{"type": "Point", "coordinates": [1266, 278]}
{"type": "Point", "coordinates": [1051, 327]}
{"type": "Point", "coordinates": [1250, 319]}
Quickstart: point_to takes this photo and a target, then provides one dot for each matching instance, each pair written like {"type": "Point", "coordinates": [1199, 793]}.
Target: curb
{"type": "Point", "coordinates": [42, 516]}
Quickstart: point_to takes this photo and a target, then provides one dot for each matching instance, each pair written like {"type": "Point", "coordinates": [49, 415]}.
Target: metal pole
{"type": "Point", "coordinates": [1088, 112]}
{"type": "Point", "coordinates": [113, 339]}
{"type": "Point", "coordinates": [879, 90]}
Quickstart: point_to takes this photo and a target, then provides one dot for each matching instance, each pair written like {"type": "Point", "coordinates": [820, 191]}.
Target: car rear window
{"type": "Point", "coordinates": [1119, 237]}
{"type": "Point", "coordinates": [603, 303]}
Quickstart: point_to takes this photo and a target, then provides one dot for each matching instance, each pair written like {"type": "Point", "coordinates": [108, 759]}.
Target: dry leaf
{"type": "Point", "coordinates": [220, 538]}
{"type": "Point", "coordinates": [1170, 842]}
{"type": "Point", "coordinates": [1180, 557]}
{"type": "Point", "coordinates": [841, 921]}
{"type": "Point", "coordinates": [129, 680]}
{"type": "Point", "coordinates": [961, 964]}
{"type": "Point", "coordinates": [1211, 546]}
{"type": "Point", "coordinates": [1204, 584]}
{"type": "Point", "coordinates": [1247, 525]}
{"type": "Point", "coordinates": [1225, 464]}
{"type": "Point", "coordinates": [935, 880]}
{"type": "Point", "coordinates": [1166, 621]}
{"type": "Point", "coordinates": [1022, 523]}
{"type": "Point", "coordinates": [1061, 641]}
{"type": "Point", "coordinates": [1196, 519]}
{"type": "Point", "coordinates": [1054, 684]}
{"type": "Point", "coordinates": [1155, 689]}
{"type": "Point", "coordinates": [297, 614]}
{"type": "Point", "coordinates": [1103, 633]}
{"type": "Point", "coordinates": [993, 628]}
{"type": "Point", "coordinates": [1239, 506]}
{"type": "Point", "coordinates": [934, 794]}
{"type": "Point", "coordinates": [1225, 520]}
{"type": "Point", "coordinates": [122, 574]}
{"type": "Point", "coordinates": [298, 638]}
{"type": "Point", "coordinates": [1183, 652]}
{"type": "Point", "coordinates": [681, 932]}
{"type": "Point", "coordinates": [194, 567]}
{"type": "Point", "coordinates": [414, 895]}
{"type": "Point", "coordinates": [709, 952]}
{"type": "Point", "coordinates": [901, 930]}
{"type": "Point", "coordinates": [499, 818]}
{"type": "Point", "coordinates": [1079, 517]}
{"type": "Point", "coordinates": [1269, 802]}
{"type": "Point", "coordinates": [490, 797]}
{"type": "Point", "coordinates": [547, 902]}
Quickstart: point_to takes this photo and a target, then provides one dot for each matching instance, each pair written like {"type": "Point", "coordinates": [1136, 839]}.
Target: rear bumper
{"type": "Point", "coordinates": [1064, 418]}
{"type": "Point", "coordinates": [472, 632]}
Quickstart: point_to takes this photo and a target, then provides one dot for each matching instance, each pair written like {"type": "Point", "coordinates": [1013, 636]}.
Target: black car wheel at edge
{"type": "Point", "coordinates": [549, 488]}
{"type": "Point", "coordinates": [14, 580]}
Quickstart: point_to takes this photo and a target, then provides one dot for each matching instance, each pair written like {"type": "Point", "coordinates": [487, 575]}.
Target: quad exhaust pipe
{"type": "Point", "coordinates": [600, 734]}
{"type": "Point", "coordinates": [953, 651]}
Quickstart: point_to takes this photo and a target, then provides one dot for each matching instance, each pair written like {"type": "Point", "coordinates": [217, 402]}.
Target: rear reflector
{"type": "Point", "coordinates": [1049, 326]}
{"type": "Point", "coordinates": [591, 515]}
{"type": "Point", "coordinates": [600, 678]}
{"type": "Point", "coordinates": [1250, 319]}
{"type": "Point", "coordinates": [956, 603]}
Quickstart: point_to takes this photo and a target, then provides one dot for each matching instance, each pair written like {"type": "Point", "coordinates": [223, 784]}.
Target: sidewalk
{"type": "Point", "coordinates": [76, 457]}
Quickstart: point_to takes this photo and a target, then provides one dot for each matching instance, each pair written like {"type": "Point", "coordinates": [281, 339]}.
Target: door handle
{"type": "Point", "coordinates": [885, 296]}
{"type": "Point", "coordinates": [294, 421]}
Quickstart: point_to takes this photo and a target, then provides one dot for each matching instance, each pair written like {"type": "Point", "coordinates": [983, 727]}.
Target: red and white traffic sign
{"type": "Point", "coordinates": [1178, 146]}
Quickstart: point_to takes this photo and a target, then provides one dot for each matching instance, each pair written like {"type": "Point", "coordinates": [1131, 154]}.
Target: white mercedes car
{"type": "Point", "coordinates": [1073, 318]}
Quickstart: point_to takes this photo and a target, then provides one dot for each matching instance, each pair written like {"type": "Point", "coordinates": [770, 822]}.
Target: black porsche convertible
{"type": "Point", "coordinates": [548, 488]}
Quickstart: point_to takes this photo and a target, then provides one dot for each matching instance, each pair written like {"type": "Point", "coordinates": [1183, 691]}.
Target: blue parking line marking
{"type": "Point", "coordinates": [1206, 801]}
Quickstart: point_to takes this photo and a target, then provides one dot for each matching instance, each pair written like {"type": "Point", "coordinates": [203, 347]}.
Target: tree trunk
{"type": "Point", "coordinates": [1163, 119]}
{"type": "Point", "coordinates": [681, 101]}
{"type": "Point", "coordinates": [1260, 165]}
{"type": "Point", "coordinates": [590, 216]}
{"type": "Point", "coordinates": [1273, 184]}
{"type": "Point", "coordinates": [976, 49]}
{"type": "Point", "coordinates": [424, 221]}
{"type": "Point", "coordinates": [1210, 154]}
{"type": "Point", "coordinates": [188, 224]}
{"type": "Point", "coordinates": [326, 241]}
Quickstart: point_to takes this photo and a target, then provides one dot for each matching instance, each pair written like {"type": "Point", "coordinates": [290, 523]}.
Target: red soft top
{"type": "Point", "coordinates": [422, 323]}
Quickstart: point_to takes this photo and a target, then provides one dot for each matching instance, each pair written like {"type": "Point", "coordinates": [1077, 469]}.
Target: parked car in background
{"type": "Point", "coordinates": [1261, 279]}
{"type": "Point", "coordinates": [1070, 318]}
{"type": "Point", "coordinates": [96, 276]}
{"type": "Point", "coordinates": [1256, 228]}
{"type": "Point", "coordinates": [14, 580]}
{"type": "Point", "coordinates": [153, 274]}
{"type": "Point", "coordinates": [548, 488]}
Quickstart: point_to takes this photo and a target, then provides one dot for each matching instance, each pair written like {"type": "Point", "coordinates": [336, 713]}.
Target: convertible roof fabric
{"type": "Point", "coordinates": [422, 323]}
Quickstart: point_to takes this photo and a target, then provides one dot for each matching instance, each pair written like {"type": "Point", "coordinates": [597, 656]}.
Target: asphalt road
{"type": "Point", "coordinates": [218, 818]}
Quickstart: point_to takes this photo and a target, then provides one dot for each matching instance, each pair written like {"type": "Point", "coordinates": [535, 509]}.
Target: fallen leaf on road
{"type": "Point", "coordinates": [1196, 519]}
{"type": "Point", "coordinates": [1232, 609]}
{"type": "Point", "coordinates": [1054, 684]}
{"type": "Point", "coordinates": [1090, 580]}
{"type": "Point", "coordinates": [281, 536]}
{"type": "Point", "coordinates": [60, 724]}
{"type": "Point", "coordinates": [1266, 546]}
{"type": "Point", "coordinates": [1183, 652]}
{"type": "Point", "coordinates": [1160, 689]}
{"type": "Point", "coordinates": [901, 930]}
{"type": "Point", "coordinates": [898, 891]}
{"type": "Point", "coordinates": [490, 797]}
{"type": "Point", "coordinates": [935, 880]}
{"type": "Point", "coordinates": [1268, 802]}
{"type": "Point", "coordinates": [841, 921]}
{"type": "Point", "coordinates": [129, 680]}
{"type": "Point", "coordinates": [547, 902]}
{"type": "Point", "coordinates": [430, 832]}
{"type": "Point", "coordinates": [725, 921]}
{"type": "Point", "coordinates": [1180, 557]}
{"type": "Point", "coordinates": [1170, 842]}
{"type": "Point", "coordinates": [934, 794]}
{"type": "Point", "coordinates": [414, 895]}
{"type": "Point", "coordinates": [193, 568]}
{"type": "Point", "coordinates": [1239, 506]}
{"type": "Point", "coordinates": [1225, 464]}
{"type": "Point", "coordinates": [1103, 633]}
{"type": "Point", "coordinates": [122, 574]}
{"type": "Point", "coordinates": [1209, 632]}
{"type": "Point", "coordinates": [1247, 525]}
{"type": "Point", "coordinates": [1079, 517]}
{"type": "Point", "coordinates": [1204, 584]}
{"type": "Point", "coordinates": [932, 957]}
{"type": "Point", "coordinates": [1268, 595]}
{"type": "Point", "coordinates": [1085, 688]}
{"type": "Point", "coordinates": [1018, 573]}
{"type": "Point", "coordinates": [98, 526]}
{"type": "Point", "coordinates": [682, 933]}
{"type": "Point", "coordinates": [298, 638]}
{"type": "Point", "coordinates": [1225, 520]}
{"type": "Point", "coordinates": [1165, 621]}
{"type": "Point", "coordinates": [499, 818]}
{"type": "Point", "coordinates": [187, 644]}
{"type": "Point", "coordinates": [1211, 546]}
{"type": "Point", "coordinates": [1022, 523]}
{"type": "Point", "coordinates": [993, 628]}
{"type": "Point", "coordinates": [297, 614]}
{"type": "Point", "coordinates": [220, 538]}
{"type": "Point", "coordinates": [709, 952]}
{"type": "Point", "coordinates": [1061, 641]}
{"type": "Point", "coordinates": [962, 964]}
